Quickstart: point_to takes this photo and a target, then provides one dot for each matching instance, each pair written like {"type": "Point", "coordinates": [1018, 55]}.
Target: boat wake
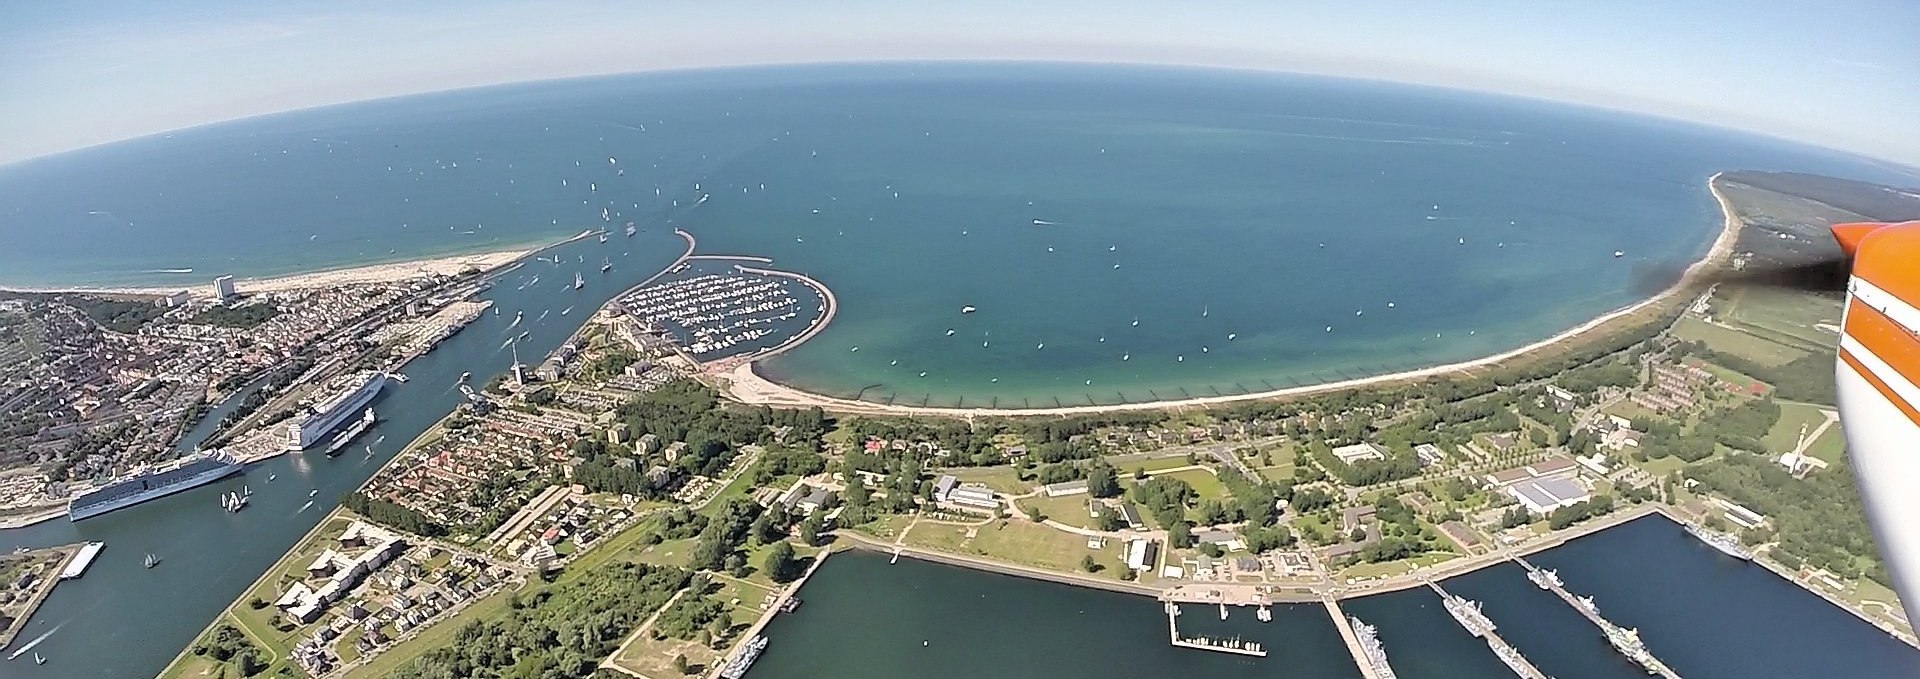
{"type": "Point", "coordinates": [36, 642]}
{"type": "Point", "coordinates": [188, 270]}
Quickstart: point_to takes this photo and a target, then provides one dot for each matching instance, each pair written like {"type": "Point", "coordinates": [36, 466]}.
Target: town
{"type": "Point", "coordinates": [615, 463]}
{"type": "Point", "coordinates": [94, 386]}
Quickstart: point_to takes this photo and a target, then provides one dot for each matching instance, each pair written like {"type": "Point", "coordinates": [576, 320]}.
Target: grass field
{"type": "Point", "coordinates": [1002, 479]}
{"type": "Point", "coordinates": [1830, 447]}
{"type": "Point", "coordinates": [1153, 465]}
{"type": "Point", "coordinates": [1660, 468]}
{"type": "Point", "coordinates": [1070, 510]}
{"type": "Point", "coordinates": [1278, 472]}
{"type": "Point", "coordinates": [1744, 345]}
{"type": "Point", "coordinates": [254, 623]}
{"type": "Point", "coordinates": [1785, 317]}
{"type": "Point", "coordinates": [1385, 568]}
{"type": "Point", "coordinates": [1022, 543]}
{"type": "Point", "coordinates": [1203, 481]}
{"type": "Point", "coordinates": [1786, 432]}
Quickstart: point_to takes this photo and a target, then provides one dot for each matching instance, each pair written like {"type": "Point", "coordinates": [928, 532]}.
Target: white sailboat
{"type": "Point", "coordinates": [578, 281]}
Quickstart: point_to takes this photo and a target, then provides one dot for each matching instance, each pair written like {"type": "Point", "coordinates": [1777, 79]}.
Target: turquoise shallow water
{"type": "Point", "coordinates": [1064, 202]}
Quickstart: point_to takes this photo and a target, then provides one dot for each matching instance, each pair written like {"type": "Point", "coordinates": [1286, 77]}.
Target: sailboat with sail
{"type": "Point", "coordinates": [578, 281]}
{"type": "Point", "coordinates": [151, 560]}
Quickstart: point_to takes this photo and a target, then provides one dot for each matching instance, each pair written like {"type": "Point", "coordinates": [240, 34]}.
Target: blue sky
{"type": "Point", "coordinates": [1838, 73]}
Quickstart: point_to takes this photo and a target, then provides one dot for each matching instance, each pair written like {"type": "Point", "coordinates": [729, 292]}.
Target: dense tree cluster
{"type": "Point", "coordinates": [1563, 517]}
{"type": "Point", "coordinates": [122, 316]}
{"type": "Point", "coordinates": [1817, 519]}
{"type": "Point", "coordinates": [228, 644]}
{"type": "Point", "coordinates": [381, 511]}
{"type": "Point", "coordinates": [247, 316]}
{"type": "Point", "coordinates": [560, 631]}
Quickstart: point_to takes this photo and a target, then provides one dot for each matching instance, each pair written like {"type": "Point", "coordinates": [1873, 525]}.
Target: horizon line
{"type": "Point", "coordinates": [1903, 166]}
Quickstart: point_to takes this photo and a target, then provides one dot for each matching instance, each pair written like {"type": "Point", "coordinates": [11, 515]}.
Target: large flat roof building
{"type": "Point", "coordinates": [1359, 451]}
{"type": "Point", "coordinates": [1542, 496]}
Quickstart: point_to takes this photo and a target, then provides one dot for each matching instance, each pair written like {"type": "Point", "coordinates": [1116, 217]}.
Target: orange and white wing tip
{"type": "Point", "coordinates": [1878, 378]}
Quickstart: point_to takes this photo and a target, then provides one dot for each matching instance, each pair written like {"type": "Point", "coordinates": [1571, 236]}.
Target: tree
{"type": "Point", "coordinates": [766, 531]}
{"type": "Point", "coordinates": [680, 664]}
{"type": "Point", "coordinates": [1211, 549]}
{"type": "Point", "coordinates": [1087, 564]}
{"type": "Point", "coordinates": [810, 529]}
{"type": "Point", "coordinates": [780, 564]}
{"type": "Point", "coordinates": [1358, 534]}
{"type": "Point", "coordinates": [1102, 481]}
{"type": "Point", "coordinates": [1180, 534]}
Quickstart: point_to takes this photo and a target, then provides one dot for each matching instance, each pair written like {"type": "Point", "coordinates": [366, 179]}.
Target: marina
{"type": "Point", "coordinates": [721, 314]}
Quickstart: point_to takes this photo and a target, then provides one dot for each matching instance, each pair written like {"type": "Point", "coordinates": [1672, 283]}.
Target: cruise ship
{"type": "Point", "coordinates": [1375, 653]}
{"type": "Point", "coordinates": [349, 395]}
{"type": "Point", "coordinates": [154, 481]}
{"type": "Point", "coordinates": [1727, 544]}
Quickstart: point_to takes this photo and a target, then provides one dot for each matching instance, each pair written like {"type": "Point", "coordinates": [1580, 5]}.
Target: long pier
{"type": "Point", "coordinates": [1352, 640]}
{"type": "Point", "coordinates": [1624, 640]}
{"type": "Point", "coordinates": [1483, 627]}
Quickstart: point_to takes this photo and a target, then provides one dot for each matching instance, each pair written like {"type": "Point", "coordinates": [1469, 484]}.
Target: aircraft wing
{"type": "Point", "coordinates": [1878, 375]}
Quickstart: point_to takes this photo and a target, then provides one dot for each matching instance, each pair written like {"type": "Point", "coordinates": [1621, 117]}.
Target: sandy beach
{"type": "Point", "coordinates": [373, 273]}
{"type": "Point", "coordinates": [742, 384]}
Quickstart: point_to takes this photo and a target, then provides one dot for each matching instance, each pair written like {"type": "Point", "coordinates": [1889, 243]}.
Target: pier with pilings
{"type": "Point", "coordinates": [1623, 639]}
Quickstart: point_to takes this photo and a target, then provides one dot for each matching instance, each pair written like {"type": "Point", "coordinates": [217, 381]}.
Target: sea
{"type": "Point", "coordinates": [1125, 233]}
{"type": "Point", "coordinates": [1218, 190]}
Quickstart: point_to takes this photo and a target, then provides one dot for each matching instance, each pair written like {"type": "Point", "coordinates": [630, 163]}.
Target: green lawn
{"type": "Point", "coordinates": [1786, 432]}
{"type": "Point", "coordinates": [1153, 465]}
{"type": "Point", "coordinates": [1203, 481]}
{"type": "Point", "coordinates": [1003, 479]}
{"type": "Point", "coordinates": [1830, 447]}
{"type": "Point", "coordinates": [1734, 342]}
{"type": "Point", "coordinates": [1021, 543]}
{"type": "Point", "coordinates": [1731, 376]}
{"type": "Point", "coordinates": [1786, 317]}
{"type": "Point", "coordinates": [1661, 467]}
{"type": "Point", "coordinates": [1384, 568]}
{"type": "Point", "coordinates": [1070, 510]}
{"type": "Point", "coordinates": [1278, 472]}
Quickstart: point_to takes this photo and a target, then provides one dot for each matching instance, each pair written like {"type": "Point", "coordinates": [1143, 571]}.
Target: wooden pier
{"type": "Point", "coordinates": [1234, 646]}
{"type": "Point", "coordinates": [1521, 667]}
{"type": "Point", "coordinates": [1611, 631]}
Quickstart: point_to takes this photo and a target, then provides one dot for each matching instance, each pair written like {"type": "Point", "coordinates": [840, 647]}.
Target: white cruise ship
{"type": "Point", "coordinates": [153, 482]}
{"type": "Point", "coordinates": [350, 395]}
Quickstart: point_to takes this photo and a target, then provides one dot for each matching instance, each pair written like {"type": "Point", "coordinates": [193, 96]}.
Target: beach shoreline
{"type": "Point", "coordinates": [741, 383]}
{"type": "Point", "coordinates": [485, 261]}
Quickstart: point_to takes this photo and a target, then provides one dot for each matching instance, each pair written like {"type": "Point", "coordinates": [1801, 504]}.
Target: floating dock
{"type": "Point", "coordinates": [78, 566]}
{"type": "Point", "coordinates": [1235, 645]}
{"type": "Point", "coordinates": [1624, 640]}
{"type": "Point", "coordinates": [1468, 614]}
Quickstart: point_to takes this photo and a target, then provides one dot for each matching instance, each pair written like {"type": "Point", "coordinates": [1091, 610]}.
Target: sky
{"type": "Point", "coordinates": [1838, 73]}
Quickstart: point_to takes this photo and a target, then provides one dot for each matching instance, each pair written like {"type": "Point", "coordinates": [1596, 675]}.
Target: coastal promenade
{"type": "Point", "coordinates": [742, 384]}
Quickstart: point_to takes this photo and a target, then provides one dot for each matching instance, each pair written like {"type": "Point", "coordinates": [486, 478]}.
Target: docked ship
{"type": "Point", "coordinates": [350, 394]}
{"type": "Point", "coordinates": [1627, 642]}
{"type": "Point", "coordinates": [154, 481]}
{"type": "Point", "coordinates": [1467, 613]}
{"type": "Point", "coordinates": [1545, 579]}
{"type": "Point", "coordinates": [1727, 544]}
{"type": "Point", "coordinates": [343, 438]}
{"type": "Point", "coordinates": [1512, 658]}
{"type": "Point", "coordinates": [1375, 653]}
{"type": "Point", "coordinates": [738, 663]}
